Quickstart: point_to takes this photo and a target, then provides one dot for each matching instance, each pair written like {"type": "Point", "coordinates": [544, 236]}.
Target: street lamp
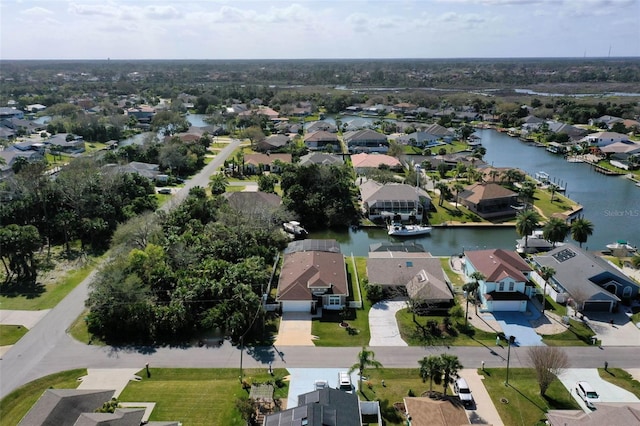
{"type": "Point", "coordinates": [510, 341]}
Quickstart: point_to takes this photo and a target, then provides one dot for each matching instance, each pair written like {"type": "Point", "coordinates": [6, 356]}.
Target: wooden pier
{"type": "Point", "coordinates": [605, 171]}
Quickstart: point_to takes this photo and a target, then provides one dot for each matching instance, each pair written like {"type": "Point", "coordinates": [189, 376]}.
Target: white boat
{"type": "Point", "coordinates": [294, 228]}
{"type": "Point", "coordinates": [400, 230]}
{"type": "Point", "coordinates": [621, 245]}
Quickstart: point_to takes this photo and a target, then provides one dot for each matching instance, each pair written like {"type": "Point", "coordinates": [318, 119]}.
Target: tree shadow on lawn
{"type": "Point", "coordinates": [27, 289]}
{"type": "Point", "coordinates": [543, 409]}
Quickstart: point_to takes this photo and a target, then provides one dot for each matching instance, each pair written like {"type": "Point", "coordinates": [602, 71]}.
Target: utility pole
{"type": "Point", "coordinates": [241, 351]}
{"type": "Point", "coordinates": [510, 341]}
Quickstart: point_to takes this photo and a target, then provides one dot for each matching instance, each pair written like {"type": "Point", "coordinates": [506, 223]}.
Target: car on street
{"type": "Point", "coordinates": [587, 393]}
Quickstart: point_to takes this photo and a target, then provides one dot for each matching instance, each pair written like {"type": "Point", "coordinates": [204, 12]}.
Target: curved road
{"type": "Point", "coordinates": [47, 348]}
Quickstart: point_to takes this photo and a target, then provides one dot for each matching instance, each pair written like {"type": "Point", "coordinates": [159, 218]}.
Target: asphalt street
{"type": "Point", "coordinates": [47, 348]}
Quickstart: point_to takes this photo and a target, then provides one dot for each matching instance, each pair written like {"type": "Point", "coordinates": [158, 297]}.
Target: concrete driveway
{"type": "Point", "coordinates": [383, 325]}
{"type": "Point", "coordinates": [607, 391]}
{"type": "Point", "coordinates": [295, 330]}
{"type": "Point", "coordinates": [623, 332]}
{"type": "Point", "coordinates": [517, 324]}
{"type": "Point", "coordinates": [484, 411]}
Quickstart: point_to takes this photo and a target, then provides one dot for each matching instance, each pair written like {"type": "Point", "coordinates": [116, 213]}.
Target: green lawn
{"type": "Point", "coordinates": [520, 403]}
{"type": "Point", "coordinates": [454, 278]}
{"type": "Point", "coordinates": [621, 378]}
{"type": "Point", "coordinates": [542, 200]}
{"type": "Point", "coordinates": [196, 396]}
{"type": "Point", "coordinates": [38, 296]}
{"type": "Point", "coordinates": [16, 405]}
{"type": "Point", "coordinates": [328, 329]}
{"type": "Point", "coordinates": [10, 334]}
{"type": "Point", "coordinates": [449, 213]}
{"type": "Point", "coordinates": [417, 333]}
{"type": "Point", "coordinates": [578, 334]}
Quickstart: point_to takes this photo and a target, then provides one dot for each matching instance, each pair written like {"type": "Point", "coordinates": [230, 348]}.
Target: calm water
{"type": "Point", "coordinates": [611, 203]}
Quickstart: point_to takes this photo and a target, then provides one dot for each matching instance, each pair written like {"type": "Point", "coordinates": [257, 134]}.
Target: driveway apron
{"type": "Point", "coordinates": [383, 325]}
{"type": "Point", "coordinates": [608, 392]}
{"type": "Point", "coordinates": [295, 330]}
{"type": "Point", "coordinates": [517, 324]}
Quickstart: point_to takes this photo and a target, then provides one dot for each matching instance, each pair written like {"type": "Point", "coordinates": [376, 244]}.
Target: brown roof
{"type": "Point", "coordinates": [606, 413]}
{"type": "Point", "coordinates": [305, 271]}
{"type": "Point", "coordinates": [321, 136]}
{"type": "Point", "coordinates": [429, 412]}
{"type": "Point", "coordinates": [398, 268]}
{"type": "Point", "coordinates": [257, 159]}
{"type": "Point", "coordinates": [485, 191]}
{"type": "Point", "coordinates": [497, 264]}
{"type": "Point", "coordinates": [374, 160]}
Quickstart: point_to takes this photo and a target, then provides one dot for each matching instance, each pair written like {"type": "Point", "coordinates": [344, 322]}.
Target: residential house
{"type": "Point", "coordinates": [605, 120]}
{"type": "Point", "coordinates": [143, 113]}
{"type": "Point", "coordinates": [148, 170]}
{"type": "Point", "coordinates": [424, 411]}
{"type": "Point", "coordinates": [490, 200]}
{"type": "Point", "coordinates": [19, 124]}
{"type": "Point", "coordinates": [320, 408]}
{"type": "Point", "coordinates": [620, 153]}
{"type": "Point", "coordinates": [587, 279]}
{"type": "Point", "coordinates": [420, 139]}
{"type": "Point", "coordinates": [283, 126]}
{"type": "Point", "coordinates": [321, 139]}
{"type": "Point", "coordinates": [236, 108]}
{"type": "Point", "coordinates": [11, 155]}
{"type": "Point", "coordinates": [403, 107]}
{"type": "Point", "coordinates": [261, 110]}
{"type": "Point", "coordinates": [7, 112]}
{"type": "Point", "coordinates": [439, 131]}
{"type": "Point", "coordinates": [7, 133]}
{"type": "Point", "coordinates": [531, 123]}
{"type": "Point", "coordinates": [506, 285]}
{"type": "Point", "coordinates": [33, 108]}
{"type": "Point", "coordinates": [393, 200]}
{"type": "Point", "coordinates": [417, 275]}
{"type": "Point", "coordinates": [574, 132]}
{"type": "Point", "coordinates": [604, 413]}
{"type": "Point", "coordinates": [601, 139]}
{"type": "Point", "coordinates": [363, 161]}
{"type": "Point", "coordinates": [69, 407]}
{"type": "Point", "coordinates": [321, 158]}
{"type": "Point", "coordinates": [325, 126]}
{"type": "Point", "coordinates": [354, 124]}
{"type": "Point", "coordinates": [312, 279]}
{"type": "Point", "coordinates": [272, 143]}
{"type": "Point", "coordinates": [75, 144]}
{"type": "Point", "coordinates": [376, 109]}
{"type": "Point", "coordinates": [258, 163]}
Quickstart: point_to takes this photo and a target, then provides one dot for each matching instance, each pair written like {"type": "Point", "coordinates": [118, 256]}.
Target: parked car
{"type": "Point", "coordinates": [461, 387]}
{"type": "Point", "coordinates": [165, 191]}
{"type": "Point", "coordinates": [587, 393]}
{"type": "Point", "coordinates": [320, 384]}
{"type": "Point", "coordinates": [344, 382]}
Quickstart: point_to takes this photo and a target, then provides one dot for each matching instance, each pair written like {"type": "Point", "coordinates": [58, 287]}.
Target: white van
{"type": "Point", "coordinates": [344, 381]}
{"type": "Point", "coordinates": [461, 387]}
{"type": "Point", "coordinates": [587, 393]}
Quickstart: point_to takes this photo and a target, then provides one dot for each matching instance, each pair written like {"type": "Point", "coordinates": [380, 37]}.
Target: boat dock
{"type": "Point", "coordinates": [605, 171]}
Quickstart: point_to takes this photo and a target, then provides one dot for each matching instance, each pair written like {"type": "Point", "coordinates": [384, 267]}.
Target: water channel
{"type": "Point", "coordinates": [611, 203]}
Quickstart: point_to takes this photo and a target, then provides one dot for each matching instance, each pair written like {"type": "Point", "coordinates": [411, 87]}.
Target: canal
{"type": "Point", "coordinates": [611, 203]}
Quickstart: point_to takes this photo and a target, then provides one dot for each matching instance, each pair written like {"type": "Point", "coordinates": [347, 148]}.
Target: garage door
{"type": "Point", "coordinates": [597, 306]}
{"type": "Point", "coordinates": [506, 305]}
{"type": "Point", "coordinates": [296, 306]}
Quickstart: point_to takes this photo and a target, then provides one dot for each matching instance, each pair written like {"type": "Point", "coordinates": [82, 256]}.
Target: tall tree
{"type": "Point", "coordinates": [472, 290]}
{"type": "Point", "coordinates": [526, 222]}
{"type": "Point", "coordinates": [218, 183]}
{"type": "Point", "coordinates": [444, 191]}
{"type": "Point", "coordinates": [450, 367]}
{"type": "Point", "coordinates": [458, 187]}
{"type": "Point", "coordinates": [546, 273]}
{"type": "Point", "coordinates": [431, 368]}
{"type": "Point", "coordinates": [366, 359]}
{"type": "Point", "coordinates": [581, 230]}
{"type": "Point", "coordinates": [548, 362]}
{"type": "Point", "coordinates": [555, 230]}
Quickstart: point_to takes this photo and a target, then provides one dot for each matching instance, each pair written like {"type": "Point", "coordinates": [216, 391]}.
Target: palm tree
{"type": "Point", "coordinates": [431, 368]}
{"type": "Point", "coordinates": [458, 187]}
{"type": "Point", "coordinates": [555, 230]}
{"type": "Point", "coordinates": [218, 184]}
{"type": "Point", "coordinates": [366, 359]}
{"type": "Point", "coordinates": [526, 222]}
{"type": "Point", "coordinates": [546, 272]}
{"type": "Point", "coordinates": [493, 173]}
{"type": "Point", "coordinates": [450, 367]}
{"type": "Point", "coordinates": [443, 188]}
{"type": "Point", "coordinates": [552, 189]}
{"type": "Point", "coordinates": [581, 229]}
{"type": "Point", "coordinates": [476, 277]}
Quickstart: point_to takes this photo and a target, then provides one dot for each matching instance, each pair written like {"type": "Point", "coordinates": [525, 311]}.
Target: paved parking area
{"type": "Point", "coordinates": [484, 411]}
{"type": "Point", "coordinates": [607, 391]}
{"type": "Point", "coordinates": [295, 330]}
{"type": "Point", "coordinates": [108, 378]}
{"type": "Point", "coordinates": [517, 324]}
{"type": "Point", "coordinates": [25, 318]}
{"type": "Point", "coordinates": [383, 325]}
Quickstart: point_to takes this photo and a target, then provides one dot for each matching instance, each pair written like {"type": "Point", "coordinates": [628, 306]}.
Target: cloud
{"type": "Point", "coordinates": [36, 11]}
{"type": "Point", "coordinates": [94, 10]}
{"type": "Point", "coordinates": [162, 12]}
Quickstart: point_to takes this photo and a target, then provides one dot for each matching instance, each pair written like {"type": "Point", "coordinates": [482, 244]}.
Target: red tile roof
{"type": "Point", "coordinates": [497, 264]}
{"type": "Point", "coordinates": [302, 272]}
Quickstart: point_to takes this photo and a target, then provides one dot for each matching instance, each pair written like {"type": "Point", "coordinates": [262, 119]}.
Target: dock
{"type": "Point", "coordinates": [605, 171]}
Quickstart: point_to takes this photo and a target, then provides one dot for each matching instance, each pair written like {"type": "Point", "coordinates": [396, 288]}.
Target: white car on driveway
{"type": "Point", "coordinates": [587, 393]}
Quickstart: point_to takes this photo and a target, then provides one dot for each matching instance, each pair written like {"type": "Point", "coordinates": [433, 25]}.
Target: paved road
{"type": "Point", "coordinates": [39, 351]}
{"type": "Point", "coordinates": [47, 348]}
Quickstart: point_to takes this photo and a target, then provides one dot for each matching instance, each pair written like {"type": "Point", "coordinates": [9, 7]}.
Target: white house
{"type": "Point", "coordinates": [506, 285]}
{"type": "Point", "coordinates": [604, 138]}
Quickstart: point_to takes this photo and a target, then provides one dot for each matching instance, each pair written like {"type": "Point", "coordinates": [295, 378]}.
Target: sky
{"type": "Point", "coordinates": [304, 29]}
